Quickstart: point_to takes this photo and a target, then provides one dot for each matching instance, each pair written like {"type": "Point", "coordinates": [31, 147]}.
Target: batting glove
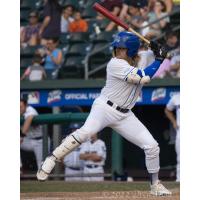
{"type": "Point", "coordinates": [159, 52]}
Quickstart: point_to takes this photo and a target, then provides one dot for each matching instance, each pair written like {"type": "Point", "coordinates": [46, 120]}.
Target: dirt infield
{"type": "Point", "coordinates": [92, 191]}
{"type": "Point", "coordinates": [122, 195]}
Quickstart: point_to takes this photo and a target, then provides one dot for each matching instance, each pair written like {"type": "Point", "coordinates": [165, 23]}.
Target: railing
{"type": "Point", "coordinates": [86, 61]}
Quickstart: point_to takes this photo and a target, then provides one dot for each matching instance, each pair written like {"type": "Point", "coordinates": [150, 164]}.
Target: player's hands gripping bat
{"type": "Point", "coordinates": [159, 51]}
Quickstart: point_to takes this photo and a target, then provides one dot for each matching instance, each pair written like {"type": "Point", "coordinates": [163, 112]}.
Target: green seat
{"type": "Point", "coordinates": [28, 5]}
{"type": "Point", "coordinates": [78, 37]}
{"type": "Point", "coordinates": [104, 37]}
{"type": "Point", "coordinates": [28, 51]}
{"type": "Point", "coordinates": [75, 3]}
{"type": "Point", "coordinates": [64, 38]}
{"type": "Point", "coordinates": [24, 15]}
{"type": "Point", "coordinates": [89, 12]}
{"type": "Point", "coordinates": [78, 49]}
{"type": "Point", "coordinates": [73, 67]}
{"type": "Point", "coordinates": [25, 62]}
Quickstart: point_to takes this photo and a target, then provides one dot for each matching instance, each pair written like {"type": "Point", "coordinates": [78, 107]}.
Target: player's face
{"type": "Point", "coordinates": [22, 108]}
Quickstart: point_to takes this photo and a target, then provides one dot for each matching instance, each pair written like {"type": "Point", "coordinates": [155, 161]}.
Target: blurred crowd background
{"type": "Point", "coordinates": [62, 39]}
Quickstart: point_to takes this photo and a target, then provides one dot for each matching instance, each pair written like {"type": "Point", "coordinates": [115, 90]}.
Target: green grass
{"type": "Point", "coordinates": [61, 186]}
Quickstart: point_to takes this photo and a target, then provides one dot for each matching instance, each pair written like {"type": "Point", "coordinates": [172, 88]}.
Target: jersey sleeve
{"type": "Point", "coordinates": [30, 112]}
{"type": "Point", "coordinates": [120, 69]}
{"type": "Point", "coordinates": [171, 104]}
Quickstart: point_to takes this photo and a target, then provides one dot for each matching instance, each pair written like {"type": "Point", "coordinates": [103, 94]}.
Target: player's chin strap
{"type": "Point", "coordinates": [139, 76]}
{"type": "Point", "coordinates": [67, 146]}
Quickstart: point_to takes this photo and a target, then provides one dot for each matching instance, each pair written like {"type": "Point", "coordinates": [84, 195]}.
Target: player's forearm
{"type": "Point", "coordinates": [152, 69]}
{"type": "Point", "coordinates": [94, 157]}
{"type": "Point", "coordinates": [139, 76]}
{"type": "Point", "coordinates": [170, 116]}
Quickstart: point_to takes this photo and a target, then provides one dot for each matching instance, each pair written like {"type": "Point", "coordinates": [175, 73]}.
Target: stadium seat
{"type": "Point", "coordinates": [89, 13]}
{"type": "Point", "coordinates": [24, 16]}
{"type": "Point", "coordinates": [28, 51]}
{"type": "Point", "coordinates": [73, 67]}
{"type": "Point", "coordinates": [28, 4]}
{"type": "Point", "coordinates": [103, 24]}
{"type": "Point", "coordinates": [104, 37]}
{"type": "Point", "coordinates": [75, 3]}
{"type": "Point", "coordinates": [78, 37]}
{"type": "Point", "coordinates": [25, 62]}
{"type": "Point", "coordinates": [64, 38]}
{"type": "Point", "coordinates": [78, 49]}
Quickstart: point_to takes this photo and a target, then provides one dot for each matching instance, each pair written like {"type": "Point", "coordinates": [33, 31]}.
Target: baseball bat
{"type": "Point", "coordinates": [117, 21]}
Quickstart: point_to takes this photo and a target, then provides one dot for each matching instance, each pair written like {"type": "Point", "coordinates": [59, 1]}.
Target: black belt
{"type": "Point", "coordinates": [92, 166]}
{"type": "Point", "coordinates": [37, 138]}
{"type": "Point", "coordinates": [123, 110]}
{"type": "Point", "coordinates": [75, 168]}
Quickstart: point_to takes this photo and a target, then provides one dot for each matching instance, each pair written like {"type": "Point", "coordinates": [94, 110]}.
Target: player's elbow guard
{"type": "Point", "coordinates": [137, 76]}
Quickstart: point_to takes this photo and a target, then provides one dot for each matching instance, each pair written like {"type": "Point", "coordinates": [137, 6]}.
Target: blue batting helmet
{"type": "Point", "coordinates": [127, 40]}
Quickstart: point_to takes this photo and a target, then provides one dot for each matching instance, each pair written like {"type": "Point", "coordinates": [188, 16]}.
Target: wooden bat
{"type": "Point", "coordinates": [117, 21]}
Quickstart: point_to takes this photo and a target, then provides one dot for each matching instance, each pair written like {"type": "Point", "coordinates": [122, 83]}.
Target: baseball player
{"type": "Point", "coordinates": [31, 136]}
{"type": "Point", "coordinates": [72, 162]}
{"type": "Point", "coordinates": [174, 104]}
{"type": "Point", "coordinates": [93, 153]}
{"type": "Point", "coordinates": [113, 108]}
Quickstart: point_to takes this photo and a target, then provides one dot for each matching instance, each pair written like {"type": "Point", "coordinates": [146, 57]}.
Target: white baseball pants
{"type": "Point", "coordinates": [126, 124]}
{"type": "Point", "coordinates": [36, 146]}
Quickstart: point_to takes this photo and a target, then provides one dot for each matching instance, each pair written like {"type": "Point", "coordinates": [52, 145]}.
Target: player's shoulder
{"type": "Point", "coordinates": [30, 111]}
{"type": "Point", "coordinates": [116, 62]}
{"type": "Point", "coordinates": [176, 97]}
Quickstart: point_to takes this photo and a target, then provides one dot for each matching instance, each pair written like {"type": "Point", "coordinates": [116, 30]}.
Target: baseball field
{"type": "Point", "coordinates": [60, 190]}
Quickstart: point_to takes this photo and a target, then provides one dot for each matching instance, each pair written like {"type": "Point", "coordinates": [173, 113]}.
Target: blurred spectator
{"type": "Point", "coordinates": [36, 71]}
{"type": "Point", "coordinates": [66, 18]}
{"type": "Point", "coordinates": [93, 153]}
{"type": "Point", "coordinates": [174, 105]}
{"type": "Point", "coordinates": [159, 11]}
{"type": "Point", "coordinates": [30, 136]}
{"type": "Point", "coordinates": [79, 24]}
{"type": "Point", "coordinates": [175, 66]}
{"type": "Point", "coordinates": [146, 56]}
{"type": "Point", "coordinates": [172, 42]}
{"type": "Point", "coordinates": [135, 18]}
{"type": "Point", "coordinates": [169, 5]}
{"type": "Point", "coordinates": [163, 69]}
{"type": "Point", "coordinates": [50, 27]}
{"type": "Point", "coordinates": [135, 3]}
{"type": "Point", "coordinates": [114, 6]}
{"type": "Point", "coordinates": [53, 57]}
{"type": "Point", "coordinates": [29, 35]}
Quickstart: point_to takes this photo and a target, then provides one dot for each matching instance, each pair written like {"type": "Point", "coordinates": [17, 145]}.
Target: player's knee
{"type": "Point", "coordinates": [152, 151]}
{"type": "Point", "coordinates": [83, 134]}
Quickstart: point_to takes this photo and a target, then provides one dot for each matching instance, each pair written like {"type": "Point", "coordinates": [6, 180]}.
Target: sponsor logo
{"type": "Point", "coordinates": [171, 94]}
{"type": "Point", "coordinates": [158, 94]}
{"type": "Point", "coordinates": [81, 96]}
{"type": "Point", "coordinates": [54, 96]}
{"type": "Point", "coordinates": [33, 98]}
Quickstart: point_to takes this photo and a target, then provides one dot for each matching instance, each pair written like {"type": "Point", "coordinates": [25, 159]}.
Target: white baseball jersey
{"type": "Point", "coordinates": [117, 89]}
{"type": "Point", "coordinates": [174, 104]}
{"type": "Point", "coordinates": [97, 147]}
{"type": "Point", "coordinates": [73, 160]}
{"type": "Point", "coordinates": [34, 131]}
